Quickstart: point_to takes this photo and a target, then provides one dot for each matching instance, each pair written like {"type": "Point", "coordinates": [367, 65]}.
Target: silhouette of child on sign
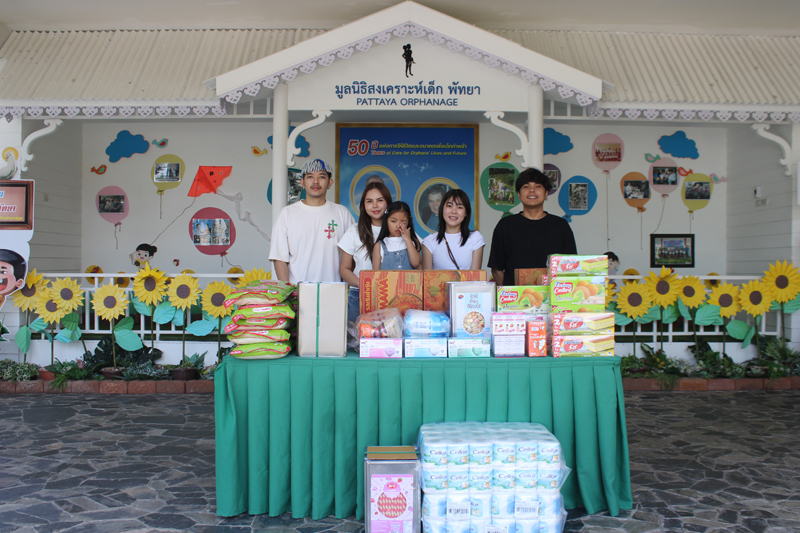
{"type": "Point", "coordinates": [408, 58]}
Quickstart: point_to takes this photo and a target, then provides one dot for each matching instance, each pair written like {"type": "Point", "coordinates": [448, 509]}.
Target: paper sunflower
{"type": "Point", "coordinates": [94, 269]}
{"type": "Point", "coordinates": [663, 286]}
{"type": "Point", "coordinates": [726, 296]}
{"type": "Point", "coordinates": [122, 281]}
{"type": "Point", "coordinates": [25, 298]}
{"type": "Point", "coordinates": [712, 283]}
{"type": "Point", "coordinates": [183, 291]}
{"type": "Point", "coordinates": [691, 291]}
{"type": "Point", "coordinates": [67, 294]}
{"type": "Point", "coordinates": [254, 274]}
{"type": "Point", "coordinates": [109, 302]}
{"type": "Point", "coordinates": [149, 285]}
{"type": "Point", "coordinates": [634, 300]}
{"type": "Point", "coordinates": [755, 297]}
{"type": "Point", "coordinates": [783, 278]}
{"type": "Point", "coordinates": [630, 272]}
{"type": "Point", "coordinates": [235, 270]}
{"type": "Point", "coordinates": [214, 296]}
{"type": "Point", "coordinates": [47, 308]}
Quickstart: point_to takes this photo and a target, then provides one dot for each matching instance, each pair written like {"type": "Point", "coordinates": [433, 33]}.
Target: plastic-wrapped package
{"type": "Point", "coordinates": [386, 323]}
{"type": "Point", "coordinates": [426, 323]}
{"type": "Point", "coordinates": [261, 292]}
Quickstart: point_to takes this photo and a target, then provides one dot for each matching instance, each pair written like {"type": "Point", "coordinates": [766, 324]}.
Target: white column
{"type": "Point", "coordinates": [280, 136]}
{"type": "Point", "coordinates": [536, 126]}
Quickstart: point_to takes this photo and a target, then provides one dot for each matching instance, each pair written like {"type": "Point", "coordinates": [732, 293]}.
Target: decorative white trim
{"type": "Point", "coordinates": [633, 114]}
{"type": "Point", "coordinates": [219, 111]}
{"type": "Point", "coordinates": [200, 110]}
{"type": "Point", "coordinates": [182, 110]}
{"type": "Point", "coordinates": [25, 154]}
{"type": "Point", "coordinates": [741, 116]}
{"type": "Point", "coordinates": [688, 114]}
{"type": "Point", "coordinates": [291, 148]}
{"type": "Point", "coordinates": [145, 111]}
{"type": "Point", "coordinates": [89, 111]}
{"type": "Point", "coordinates": [614, 113]}
{"type": "Point", "coordinates": [127, 111]}
{"type": "Point", "coordinates": [165, 110]}
{"type": "Point", "coordinates": [705, 115]}
{"type": "Point", "coordinates": [53, 111]}
{"type": "Point", "coordinates": [650, 114]}
{"type": "Point", "coordinates": [494, 117]}
{"type": "Point", "coordinates": [72, 111]}
{"type": "Point", "coordinates": [786, 149]}
{"type": "Point", "coordinates": [34, 112]}
{"type": "Point", "coordinates": [108, 111]}
{"type": "Point", "coordinates": [669, 114]}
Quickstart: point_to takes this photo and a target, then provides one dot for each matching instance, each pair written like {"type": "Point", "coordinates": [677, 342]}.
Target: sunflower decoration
{"type": "Point", "coordinates": [783, 278]}
{"type": "Point", "coordinates": [691, 291]}
{"type": "Point", "coordinates": [755, 297]}
{"type": "Point", "coordinates": [254, 274]}
{"type": "Point", "coordinates": [611, 293]}
{"type": "Point", "coordinates": [726, 296]}
{"type": "Point", "coordinates": [214, 296]}
{"type": "Point", "coordinates": [47, 307]}
{"type": "Point", "coordinates": [630, 272]}
{"type": "Point", "coordinates": [712, 283]}
{"type": "Point", "coordinates": [183, 291]}
{"type": "Point", "coordinates": [235, 270]}
{"type": "Point", "coordinates": [67, 294]}
{"type": "Point", "coordinates": [25, 298]}
{"type": "Point", "coordinates": [122, 281]}
{"type": "Point", "coordinates": [634, 300]}
{"type": "Point", "coordinates": [94, 269]}
{"type": "Point", "coordinates": [109, 302]}
{"type": "Point", "coordinates": [149, 285]}
{"type": "Point", "coordinates": [663, 286]}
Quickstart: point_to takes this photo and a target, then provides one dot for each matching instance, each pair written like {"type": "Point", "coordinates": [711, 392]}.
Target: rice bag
{"type": "Point", "coordinates": [387, 323]}
{"type": "Point", "coordinates": [257, 314]}
{"type": "Point", "coordinates": [269, 324]}
{"type": "Point", "coordinates": [426, 323]}
{"type": "Point", "coordinates": [262, 292]}
{"type": "Point", "coordinates": [262, 350]}
{"type": "Point", "coordinates": [253, 337]}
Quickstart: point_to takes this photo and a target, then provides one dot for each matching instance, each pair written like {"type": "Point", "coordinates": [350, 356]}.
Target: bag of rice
{"type": "Point", "coordinates": [253, 337]}
{"type": "Point", "coordinates": [257, 314]}
{"type": "Point", "coordinates": [263, 292]}
{"type": "Point", "coordinates": [269, 324]}
{"type": "Point", "coordinates": [262, 350]}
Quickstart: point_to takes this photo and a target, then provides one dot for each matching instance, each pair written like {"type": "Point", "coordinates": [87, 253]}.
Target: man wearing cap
{"type": "Point", "coordinates": [304, 240]}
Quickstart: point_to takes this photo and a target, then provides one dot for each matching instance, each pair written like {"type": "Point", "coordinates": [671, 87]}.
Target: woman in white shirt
{"type": "Point", "coordinates": [358, 240]}
{"type": "Point", "coordinates": [454, 246]}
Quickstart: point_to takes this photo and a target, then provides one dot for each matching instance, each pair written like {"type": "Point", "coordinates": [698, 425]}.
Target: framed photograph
{"type": "Point", "coordinates": [111, 203]}
{"type": "Point", "coordinates": [579, 196]}
{"type": "Point", "coordinates": [501, 186]}
{"type": "Point", "coordinates": [167, 172]}
{"type": "Point", "coordinates": [608, 152]}
{"type": "Point", "coordinates": [665, 175]}
{"type": "Point", "coordinates": [553, 177]}
{"type": "Point", "coordinates": [16, 204]}
{"type": "Point", "coordinates": [672, 250]}
{"type": "Point", "coordinates": [697, 190]}
{"type": "Point", "coordinates": [637, 189]}
{"type": "Point", "coordinates": [211, 232]}
{"type": "Point", "coordinates": [418, 163]}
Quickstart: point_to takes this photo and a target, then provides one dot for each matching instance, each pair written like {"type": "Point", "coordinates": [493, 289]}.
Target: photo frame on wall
{"type": "Point", "coordinates": [16, 205]}
{"type": "Point", "coordinates": [418, 163]}
{"type": "Point", "coordinates": [675, 250]}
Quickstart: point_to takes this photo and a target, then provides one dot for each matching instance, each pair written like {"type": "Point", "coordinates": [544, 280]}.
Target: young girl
{"type": "Point", "coordinates": [454, 247]}
{"type": "Point", "coordinates": [357, 242]}
{"type": "Point", "coordinates": [398, 246]}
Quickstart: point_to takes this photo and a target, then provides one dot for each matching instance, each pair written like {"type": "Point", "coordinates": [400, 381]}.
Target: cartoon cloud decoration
{"type": "Point", "coordinates": [208, 179]}
{"type": "Point", "coordinates": [556, 142]}
{"type": "Point", "coordinates": [678, 145]}
{"type": "Point", "coordinates": [125, 145]}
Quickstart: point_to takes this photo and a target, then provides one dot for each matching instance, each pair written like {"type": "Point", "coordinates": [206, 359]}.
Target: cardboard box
{"type": "Point", "coordinates": [577, 265]}
{"type": "Point", "coordinates": [578, 294]}
{"type": "Point", "coordinates": [380, 289]}
{"type": "Point", "coordinates": [531, 299]}
{"type": "Point", "coordinates": [434, 288]}
{"type": "Point", "coordinates": [583, 345]}
{"type": "Point", "coordinates": [508, 324]}
{"type": "Point", "coordinates": [469, 347]}
{"type": "Point", "coordinates": [381, 348]}
{"type": "Point", "coordinates": [583, 323]}
{"type": "Point", "coordinates": [426, 347]}
{"type": "Point", "coordinates": [531, 276]}
{"type": "Point", "coordinates": [509, 345]}
{"type": "Point", "coordinates": [536, 338]}
{"type": "Point", "coordinates": [322, 319]}
{"type": "Point", "coordinates": [471, 304]}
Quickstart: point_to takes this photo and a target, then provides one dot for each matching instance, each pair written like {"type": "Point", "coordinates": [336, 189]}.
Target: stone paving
{"type": "Point", "coordinates": [702, 462]}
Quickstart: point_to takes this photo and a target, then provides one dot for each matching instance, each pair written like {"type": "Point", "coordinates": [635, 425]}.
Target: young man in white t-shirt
{"type": "Point", "coordinates": [304, 240]}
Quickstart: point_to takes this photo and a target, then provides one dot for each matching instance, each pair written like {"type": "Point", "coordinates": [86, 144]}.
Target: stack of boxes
{"type": "Point", "coordinates": [491, 477]}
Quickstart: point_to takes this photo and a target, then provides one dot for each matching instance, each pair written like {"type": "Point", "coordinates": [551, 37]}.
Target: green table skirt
{"type": "Point", "coordinates": [291, 432]}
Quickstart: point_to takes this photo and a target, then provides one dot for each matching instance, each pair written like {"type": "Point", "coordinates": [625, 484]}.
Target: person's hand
{"type": "Point", "coordinates": [405, 233]}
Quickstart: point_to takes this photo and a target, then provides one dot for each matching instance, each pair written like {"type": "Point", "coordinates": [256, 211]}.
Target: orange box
{"type": "Point", "coordinates": [434, 285]}
{"type": "Point", "coordinates": [536, 339]}
{"type": "Point", "coordinates": [381, 289]}
{"type": "Point", "coordinates": [530, 276]}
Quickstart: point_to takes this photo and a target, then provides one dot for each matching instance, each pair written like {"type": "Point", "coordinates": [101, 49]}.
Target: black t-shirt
{"type": "Point", "coordinates": [520, 242]}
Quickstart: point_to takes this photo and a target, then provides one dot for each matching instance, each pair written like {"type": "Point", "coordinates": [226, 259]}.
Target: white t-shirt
{"type": "Point", "coordinates": [463, 254]}
{"type": "Point", "coordinates": [351, 243]}
{"type": "Point", "coordinates": [394, 244]}
{"type": "Point", "coordinates": [306, 238]}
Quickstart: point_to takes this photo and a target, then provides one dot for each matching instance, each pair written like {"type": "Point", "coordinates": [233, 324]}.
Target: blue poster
{"type": "Point", "coordinates": [418, 164]}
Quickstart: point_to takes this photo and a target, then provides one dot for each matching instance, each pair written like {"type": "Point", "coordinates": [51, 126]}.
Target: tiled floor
{"type": "Point", "coordinates": [704, 462]}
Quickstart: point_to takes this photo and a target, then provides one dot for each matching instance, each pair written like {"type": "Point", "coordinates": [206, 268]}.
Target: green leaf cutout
{"type": "Point", "coordinates": [23, 339]}
{"type": "Point", "coordinates": [201, 328]}
{"type": "Point", "coordinates": [163, 313]}
{"type": "Point", "coordinates": [128, 340]}
{"type": "Point", "coordinates": [708, 315]}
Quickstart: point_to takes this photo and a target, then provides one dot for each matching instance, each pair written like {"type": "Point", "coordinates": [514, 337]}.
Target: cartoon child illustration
{"type": "Point", "coordinates": [12, 273]}
{"type": "Point", "coordinates": [143, 254]}
{"type": "Point", "coordinates": [409, 60]}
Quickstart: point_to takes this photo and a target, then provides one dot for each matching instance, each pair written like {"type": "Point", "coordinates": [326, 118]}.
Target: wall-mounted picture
{"type": "Point", "coordinates": [697, 190]}
{"type": "Point", "coordinates": [167, 172]}
{"type": "Point", "coordinates": [16, 204]}
{"type": "Point", "coordinates": [579, 196]}
{"type": "Point", "coordinates": [211, 231]}
{"type": "Point", "coordinates": [665, 175]}
{"type": "Point", "coordinates": [429, 201]}
{"type": "Point", "coordinates": [636, 189]}
{"type": "Point", "coordinates": [608, 152]}
{"type": "Point", "coordinates": [552, 177]}
{"type": "Point", "coordinates": [111, 203]}
{"type": "Point", "coordinates": [673, 250]}
{"type": "Point", "coordinates": [501, 186]}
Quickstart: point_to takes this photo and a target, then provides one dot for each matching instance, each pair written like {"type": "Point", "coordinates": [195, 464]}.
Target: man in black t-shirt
{"type": "Point", "coordinates": [526, 239]}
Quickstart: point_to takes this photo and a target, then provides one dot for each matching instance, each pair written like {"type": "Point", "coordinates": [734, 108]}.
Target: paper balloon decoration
{"type": "Point", "coordinates": [663, 176]}
{"type": "Point", "coordinates": [635, 190]}
{"type": "Point", "coordinates": [208, 179]}
{"type": "Point", "coordinates": [497, 186]}
{"type": "Point", "coordinates": [167, 172]}
{"type": "Point", "coordinates": [696, 191]}
{"type": "Point", "coordinates": [212, 231]}
{"type": "Point", "coordinates": [554, 174]}
{"type": "Point", "coordinates": [112, 204]}
{"type": "Point", "coordinates": [607, 152]}
{"type": "Point", "coordinates": [577, 197]}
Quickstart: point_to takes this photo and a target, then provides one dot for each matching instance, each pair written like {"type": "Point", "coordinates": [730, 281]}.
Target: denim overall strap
{"type": "Point", "coordinates": [395, 260]}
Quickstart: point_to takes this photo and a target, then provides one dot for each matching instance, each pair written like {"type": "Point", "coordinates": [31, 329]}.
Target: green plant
{"type": "Point", "coordinates": [70, 371]}
{"type": "Point", "coordinates": [711, 364]}
{"type": "Point", "coordinates": [104, 355]}
{"type": "Point", "coordinates": [14, 371]}
{"type": "Point", "coordinates": [776, 359]}
{"type": "Point", "coordinates": [197, 361]}
{"type": "Point", "coordinates": [145, 370]}
{"type": "Point", "coordinates": [631, 366]}
{"type": "Point", "coordinates": [665, 369]}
